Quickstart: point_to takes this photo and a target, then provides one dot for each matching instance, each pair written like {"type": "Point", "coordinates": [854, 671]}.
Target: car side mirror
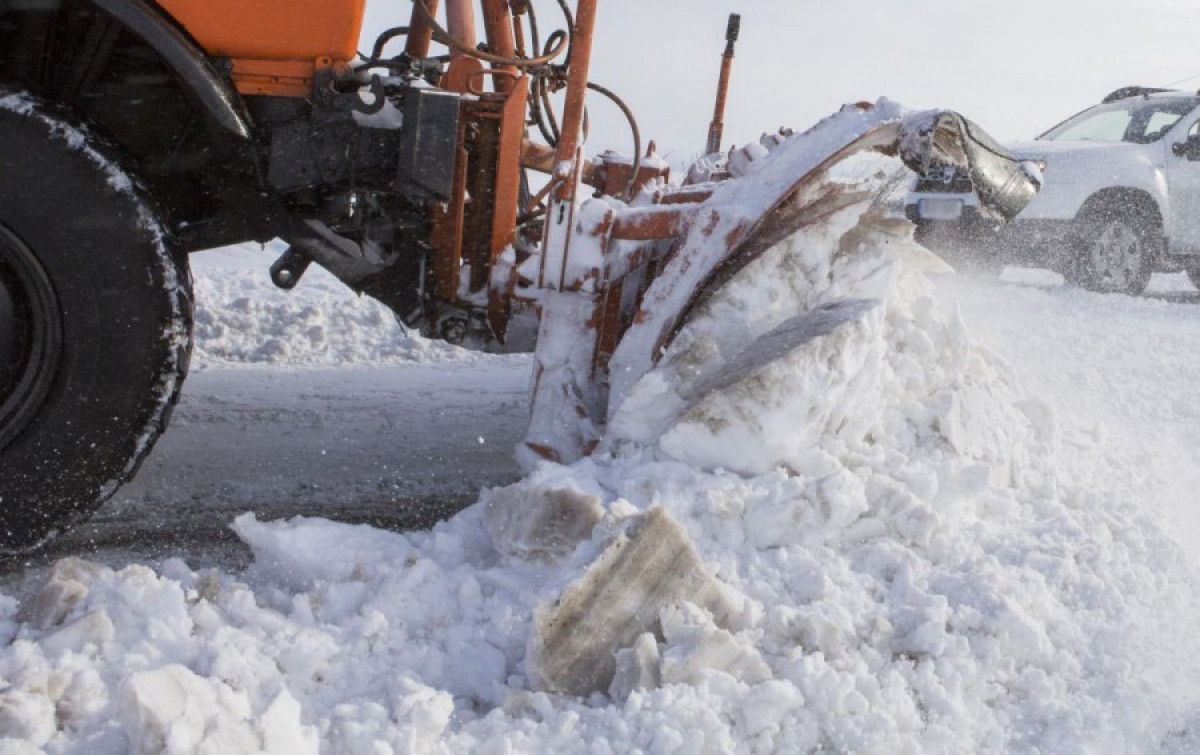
{"type": "Point", "coordinates": [1190, 149]}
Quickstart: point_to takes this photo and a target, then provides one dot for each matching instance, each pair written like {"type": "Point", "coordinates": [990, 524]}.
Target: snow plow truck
{"type": "Point", "coordinates": [443, 173]}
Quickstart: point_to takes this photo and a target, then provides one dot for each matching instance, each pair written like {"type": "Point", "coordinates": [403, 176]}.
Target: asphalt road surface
{"type": "Point", "coordinates": [397, 446]}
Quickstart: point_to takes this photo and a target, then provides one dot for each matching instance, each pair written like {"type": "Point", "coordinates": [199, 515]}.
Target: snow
{"type": "Point", "coordinates": [958, 523]}
{"type": "Point", "coordinates": [316, 324]}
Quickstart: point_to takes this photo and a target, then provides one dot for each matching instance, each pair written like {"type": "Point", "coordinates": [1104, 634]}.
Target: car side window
{"type": "Point", "coordinates": [1187, 149]}
{"type": "Point", "coordinates": [1160, 123]}
{"type": "Point", "coordinates": [1107, 126]}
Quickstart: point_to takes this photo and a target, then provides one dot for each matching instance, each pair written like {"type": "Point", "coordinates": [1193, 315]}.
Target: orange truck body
{"type": "Point", "coordinates": [274, 45]}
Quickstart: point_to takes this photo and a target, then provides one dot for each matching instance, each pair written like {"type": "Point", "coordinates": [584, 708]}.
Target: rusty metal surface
{"type": "Point", "coordinates": [508, 170]}
{"type": "Point", "coordinates": [639, 243]}
{"type": "Point", "coordinates": [685, 194]}
{"type": "Point", "coordinates": [717, 127]}
{"type": "Point", "coordinates": [576, 93]}
{"type": "Point", "coordinates": [420, 34]}
{"type": "Point", "coordinates": [460, 22]}
{"type": "Point", "coordinates": [483, 150]}
{"type": "Point", "coordinates": [652, 223]}
{"type": "Point", "coordinates": [448, 226]}
{"type": "Point", "coordinates": [541, 157]}
{"type": "Point", "coordinates": [614, 175]}
{"type": "Point", "coordinates": [507, 199]}
{"type": "Point", "coordinates": [498, 26]}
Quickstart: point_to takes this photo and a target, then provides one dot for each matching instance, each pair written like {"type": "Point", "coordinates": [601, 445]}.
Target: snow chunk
{"type": "Point", "coordinates": [172, 710]}
{"type": "Point", "coordinates": [539, 523]}
{"type": "Point", "coordinates": [65, 586]}
{"type": "Point", "coordinates": [695, 644]}
{"type": "Point", "coordinates": [282, 730]}
{"type": "Point", "coordinates": [648, 567]}
{"type": "Point", "coordinates": [304, 551]}
{"type": "Point", "coordinates": [94, 628]}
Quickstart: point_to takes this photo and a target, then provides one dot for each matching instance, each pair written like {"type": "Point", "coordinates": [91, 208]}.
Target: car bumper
{"type": "Point", "coordinates": [966, 223]}
{"type": "Point", "coordinates": [1032, 242]}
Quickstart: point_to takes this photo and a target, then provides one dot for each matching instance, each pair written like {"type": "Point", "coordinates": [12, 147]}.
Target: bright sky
{"type": "Point", "coordinates": [1016, 68]}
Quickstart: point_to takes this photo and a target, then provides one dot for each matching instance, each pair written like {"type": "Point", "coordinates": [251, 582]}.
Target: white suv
{"type": "Point", "coordinates": [1120, 199]}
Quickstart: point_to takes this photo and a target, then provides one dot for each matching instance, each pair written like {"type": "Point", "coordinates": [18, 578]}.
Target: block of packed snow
{"type": "Point", "coordinates": [171, 709]}
{"type": "Point", "coordinates": [64, 588]}
{"type": "Point", "coordinates": [649, 566]}
{"type": "Point", "coordinates": [283, 731]}
{"type": "Point", "coordinates": [538, 523]}
{"type": "Point", "coordinates": [696, 644]}
{"type": "Point", "coordinates": [26, 717]}
{"type": "Point", "coordinates": [94, 628]}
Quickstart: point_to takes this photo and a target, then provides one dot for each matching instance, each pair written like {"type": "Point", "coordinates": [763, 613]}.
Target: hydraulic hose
{"type": "Point", "coordinates": [633, 126]}
{"type": "Point", "coordinates": [444, 37]}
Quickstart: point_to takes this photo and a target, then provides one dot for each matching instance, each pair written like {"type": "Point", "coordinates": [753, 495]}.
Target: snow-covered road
{"type": "Point", "coordinates": [1124, 370]}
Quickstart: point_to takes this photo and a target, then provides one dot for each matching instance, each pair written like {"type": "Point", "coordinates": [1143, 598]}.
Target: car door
{"type": "Point", "coordinates": [1183, 186]}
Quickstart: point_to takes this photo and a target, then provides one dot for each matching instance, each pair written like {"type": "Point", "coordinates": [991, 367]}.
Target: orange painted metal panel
{"type": "Point", "coordinates": [279, 78]}
{"type": "Point", "coordinates": [272, 29]}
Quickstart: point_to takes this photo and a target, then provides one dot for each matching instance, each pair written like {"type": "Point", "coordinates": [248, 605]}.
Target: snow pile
{"type": "Point", "coordinates": [910, 566]}
{"type": "Point", "coordinates": [929, 576]}
{"type": "Point", "coordinates": [241, 317]}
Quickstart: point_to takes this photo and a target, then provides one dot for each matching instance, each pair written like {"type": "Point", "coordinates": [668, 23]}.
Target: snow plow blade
{"type": "Point", "coordinates": [630, 276]}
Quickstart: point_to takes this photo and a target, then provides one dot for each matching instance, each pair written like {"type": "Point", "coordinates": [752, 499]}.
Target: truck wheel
{"type": "Point", "coordinates": [95, 325]}
{"type": "Point", "coordinates": [1116, 252]}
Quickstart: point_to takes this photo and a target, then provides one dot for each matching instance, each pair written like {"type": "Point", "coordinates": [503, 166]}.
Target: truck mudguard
{"type": "Point", "coordinates": [185, 58]}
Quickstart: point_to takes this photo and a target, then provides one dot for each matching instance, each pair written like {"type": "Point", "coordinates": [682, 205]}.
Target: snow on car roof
{"type": "Point", "coordinates": [1145, 92]}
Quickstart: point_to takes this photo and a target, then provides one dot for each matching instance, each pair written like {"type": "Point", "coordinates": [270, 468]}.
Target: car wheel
{"type": "Point", "coordinates": [1116, 252]}
{"type": "Point", "coordinates": [95, 325]}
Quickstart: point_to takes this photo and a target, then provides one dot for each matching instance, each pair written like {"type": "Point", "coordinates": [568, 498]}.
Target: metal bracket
{"type": "Point", "coordinates": [287, 271]}
{"type": "Point", "coordinates": [328, 97]}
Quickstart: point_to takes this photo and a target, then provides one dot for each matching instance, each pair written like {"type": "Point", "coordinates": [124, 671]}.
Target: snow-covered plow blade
{"type": "Point", "coordinates": [624, 278]}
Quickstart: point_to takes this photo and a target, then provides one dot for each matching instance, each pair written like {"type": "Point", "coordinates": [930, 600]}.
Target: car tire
{"type": "Point", "coordinates": [95, 325]}
{"type": "Point", "coordinates": [1116, 251]}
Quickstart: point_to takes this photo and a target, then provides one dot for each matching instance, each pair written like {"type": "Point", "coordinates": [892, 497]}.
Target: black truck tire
{"type": "Point", "coordinates": [95, 325]}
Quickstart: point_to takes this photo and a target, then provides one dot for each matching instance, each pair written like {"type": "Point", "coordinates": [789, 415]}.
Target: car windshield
{"type": "Point", "coordinates": [1140, 121]}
